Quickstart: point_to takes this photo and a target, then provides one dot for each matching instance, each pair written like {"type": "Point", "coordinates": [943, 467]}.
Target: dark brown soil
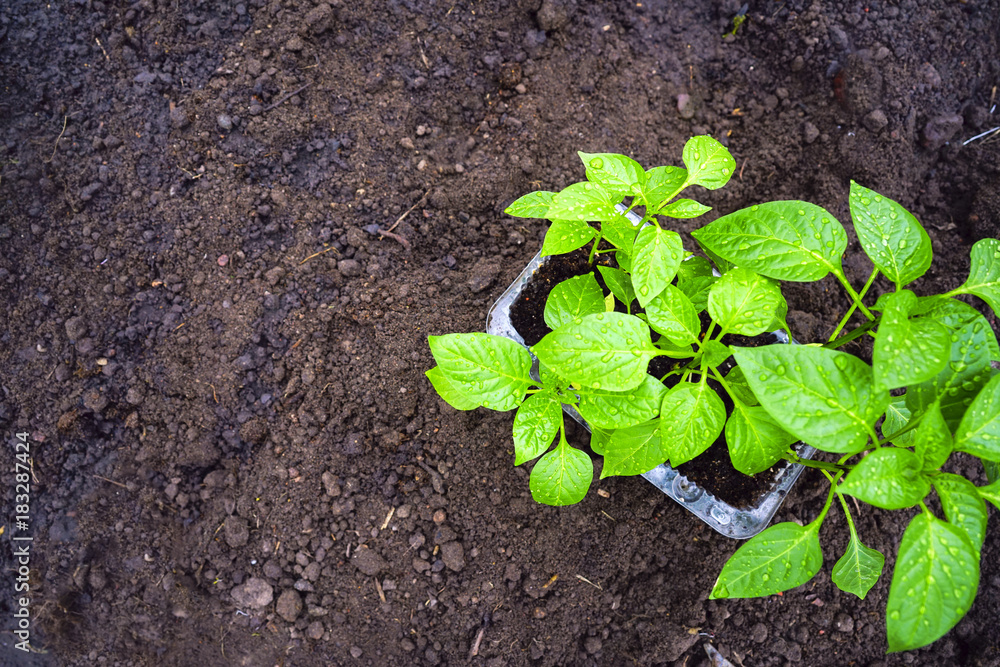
{"type": "Point", "coordinates": [237, 457]}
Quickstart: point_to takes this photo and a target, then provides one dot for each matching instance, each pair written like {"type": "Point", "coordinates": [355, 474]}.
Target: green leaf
{"type": "Point", "coordinates": [823, 397]}
{"type": "Point", "coordinates": [662, 184]}
{"type": "Point", "coordinates": [599, 438]}
{"type": "Point", "coordinates": [573, 298]}
{"type": "Point", "coordinates": [984, 275]}
{"type": "Point", "coordinates": [619, 174]}
{"type": "Point", "coordinates": [684, 208]}
{"type": "Point", "coordinates": [889, 234]}
{"type": "Point", "coordinates": [708, 162]}
{"type": "Point", "coordinates": [907, 351]}
{"type": "Point", "coordinates": [992, 470]}
{"type": "Point", "coordinates": [531, 205]}
{"type": "Point", "coordinates": [888, 477]}
{"type": "Point", "coordinates": [535, 426]}
{"type": "Point", "coordinates": [656, 256]}
{"type": "Point", "coordinates": [565, 236]}
{"type": "Point", "coordinates": [744, 302]}
{"type": "Point", "coordinates": [491, 369]}
{"type": "Point", "coordinates": [691, 418]}
{"type": "Point", "coordinates": [561, 477]}
{"type": "Point", "coordinates": [620, 232]}
{"type": "Point", "coordinates": [756, 442]}
{"type": "Point", "coordinates": [782, 557]}
{"type": "Point", "coordinates": [932, 441]}
{"type": "Point", "coordinates": [858, 569]}
{"type": "Point", "coordinates": [619, 284]}
{"type": "Point", "coordinates": [697, 289]}
{"type": "Point", "coordinates": [973, 345]}
{"type": "Point", "coordinates": [897, 415]}
{"type": "Point", "coordinates": [722, 265]}
{"type": "Point", "coordinates": [600, 351]}
{"type": "Point", "coordinates": [738, 386]}
{"type": "Point", "coordinates": [785, 240]}
{"type": "Point", "coordinates": [450, 391]}
{"type": "Point", "coordinates": [979, 432]}
{"type": "Point", "coordinates": [618, 409]}
{"type": "Point", "coordinates": [991, 493]}
{"type": "Point", "coordinates": [962, 505]}
{"type": "Point", "coordinates": [633, 450]}
{"type": "Point", "coordinates": [584, 201]}
{"type": "Point", "coordinates": [715, 353]}
{"type": "Point", "coordinates": [933, 585]}
{"type": "Point", "coordinates": [672, 314]}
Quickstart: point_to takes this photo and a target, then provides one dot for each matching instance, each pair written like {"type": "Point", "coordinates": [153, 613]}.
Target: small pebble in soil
{"type": "Point", "coordinates": [223, 260]}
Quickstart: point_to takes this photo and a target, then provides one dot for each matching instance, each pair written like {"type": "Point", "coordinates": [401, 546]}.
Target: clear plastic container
{"type": "Point", "coordinates": [735, 522]}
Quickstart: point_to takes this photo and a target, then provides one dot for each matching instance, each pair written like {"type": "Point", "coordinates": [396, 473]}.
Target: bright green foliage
{"type": "Point", "coordinates": [573, 298]}
{"type": "Point", "coordinates": [858, 569]}
{"type": "Point", "coordinates": [601, 351]}
{"type": "Point", "coordinates": [662, 184]}
{"type": "Point", "coordinates": [633, 450]}
{"type": "Point", "coordinates": [784, 240]}
{"type": "Point", "coordinates": [491, 369]}
{"type": "Point", "coordinates": [691, 418]}
{"type": "Point", "coordinates": [531, 205]}
{"type": "Point", "coordinates": [756, 441]}
{"type": "Point", "coordinates": [684, 208]}
{"type": "Point", "coordinates": [933, 584]}
{"type": "Point", "coordinates": [897, 415]}
{"type": "Point", "coordinates": [824, 397]}
{"type": "Point", "coordinates": [619, 174]}
{"type": "Point", "coordinates": [782, 557]}
{"type": "Point", "coordinates": [889, 478]}
{"type": "Point", "coordinates": [908, 351]}
{"type": "Point", "coordinates": [672, 314]}
{"type": "Point", "coordinates": [932, 349]}
{"type": "Point", "coordinates": [963, 506]}
{"type": "Point", "coordinates": [619, 284]}
{"type": "Point", "coordinates": [737, 384]}
{"type": "Point", "coordinates": [566, 236]}
{"type": "Point", "coordinates": [450, 391]}
{"type": "Point", "coordinates": [561, 477]}
{"type": "Point", "coordinates": [991, 493]}
{"type": "Point", "coordinates": [896, 243]}
{"type": "Point", "coordinates": [656, 256]}
{"type": "Point", "coordinates": [620, 409]}
{"type": "Point", "coordinates": [744, 302]}
{"type": "Point", "coordinates": [984, 275]}
{"type": "Point", "coordinates": [535, 425]}
{"type": "Point", "coordinates": [695, 279]}
{"type": "Point", "coordinates": [708, 162]}
{"type": "Point", "coordinates": [584, 201]}
{"type": "Point", "coordinates": [973, 345]}
{"type": "Point", "coordinates": [932, 442]}
{"type": "Point", "coordinates": [979, 432]}
{"type": "Point", "coordinates": [715, 353]}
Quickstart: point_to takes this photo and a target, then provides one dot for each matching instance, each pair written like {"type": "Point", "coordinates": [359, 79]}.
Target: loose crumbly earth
{"type": "Point", "coordinates": [217, 346]}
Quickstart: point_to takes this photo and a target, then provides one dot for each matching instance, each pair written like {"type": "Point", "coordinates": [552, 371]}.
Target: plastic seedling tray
{"type": "Point", "coordinates": [735, 522]}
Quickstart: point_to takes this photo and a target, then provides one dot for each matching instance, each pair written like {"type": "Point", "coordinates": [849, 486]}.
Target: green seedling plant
{"type": "Point", "coordinates": [889, 426]}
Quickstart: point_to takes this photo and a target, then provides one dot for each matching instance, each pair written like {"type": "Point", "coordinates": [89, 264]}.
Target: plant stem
{"type": "Point", "coordinates": [819, 465]}
{"type": "Point", "coordinates": [850, 311]}
{"type": "Point", "coordinates": [593, 251]}
{"type": "Point", "coordinates": [854, 295]}
{"type": "Point", "coordinates": [847, 513]}
{"type": "Point", "coordinates": [829, 500]}
{"type": "Point", "coordinates": [856, 333]}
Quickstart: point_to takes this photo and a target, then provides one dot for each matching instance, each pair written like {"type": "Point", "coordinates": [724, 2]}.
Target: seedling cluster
{"type": "Point", "coordinates": [929, 391]}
